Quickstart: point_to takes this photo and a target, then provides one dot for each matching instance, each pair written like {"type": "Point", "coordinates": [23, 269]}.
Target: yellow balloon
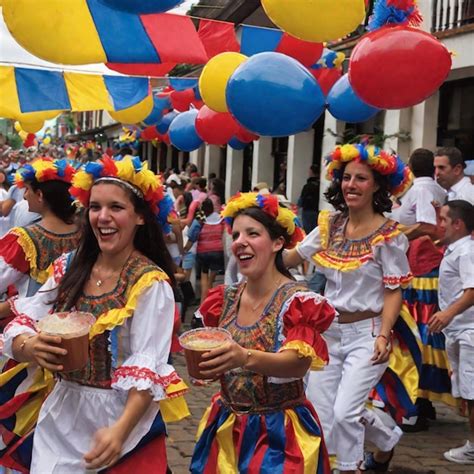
{"type": "Point", "coordinates": [54, 32]}
{"type": "Point", "coordinates": [316, 20]}
{"type": "Point", "coordinates": [32, 127]}
{"type": "Point", "coordinates": [214, 78]}
{"type": "Point", "coordinates": [17, 126]}
{"type": "Point", "coordinates": [35, 117]}
{"type": "Point", "coordinates": [23, 135]}
{"type": "Point", "coordinates": [134, 114]}
{"type": "Point", "coordinates": [47, 140]}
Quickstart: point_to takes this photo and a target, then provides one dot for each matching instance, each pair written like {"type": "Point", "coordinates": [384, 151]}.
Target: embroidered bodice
{"type": "Point", "coordinates": [357, 271]}
{"type": "Point", "coordinates": [293, 319]}
{"type": "Point", "coordinates": [102, 359]}
{"type": "Point", "coordinates": [42, 247]}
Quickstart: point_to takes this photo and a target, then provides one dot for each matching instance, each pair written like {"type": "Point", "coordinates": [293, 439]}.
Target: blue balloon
{"type": "Point", "coordinates": [142, 6]}
{"type": "Point", "coordinates": [274, 95]}
{"type": "Point", "coordinates": [345, 105]}
{"type": "Point", "coordinates": [165, 122]}
{"type": "Point", "coordinates": [236, 144]}
{"type": "Point", "coordinates": [160, 104]}
{"type": "Point", "coordinates": [182, 131]}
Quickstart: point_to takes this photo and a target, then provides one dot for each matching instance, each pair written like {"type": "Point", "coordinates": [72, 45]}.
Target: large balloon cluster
{"type": "Point", "coordinates": [238, 98]}
{"type": "Point", "coordinates": [394, 65]}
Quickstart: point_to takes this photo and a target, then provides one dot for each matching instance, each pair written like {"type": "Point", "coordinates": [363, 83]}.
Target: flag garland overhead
{"type": "Point", "coordinates": [25, 90]}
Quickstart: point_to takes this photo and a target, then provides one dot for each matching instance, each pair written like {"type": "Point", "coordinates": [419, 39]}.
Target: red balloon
{"type": "Point", "coordinates": [215, 128]}
{"type": "Point", "coordinates": [30, 140]}
{"type": "Point", "coordinates": [245, 136]}
{"type": "Point", "coordinates": [163, 137]}
{"type": "Point", "coordinates": [397, 67]}
{"type": "Point", "coordinates": [149, 133]}
{"type": "Point", "coordinates": [181, 100]}
{"type": "Point", "coordinates": [326, 77]}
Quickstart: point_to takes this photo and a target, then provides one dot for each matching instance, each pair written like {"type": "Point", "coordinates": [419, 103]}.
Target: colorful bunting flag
{"type": "Point", "coordinates": [218, 37]}
{"type": "Point", "coordinates": [88, 31]}
{"type": "Point", "coordinates": [258, 40]}
{"type": "Point", "coordinates": [26, 90]}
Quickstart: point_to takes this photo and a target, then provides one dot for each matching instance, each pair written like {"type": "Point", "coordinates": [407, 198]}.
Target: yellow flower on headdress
{"type": "Point", "coordinates": [268, 203]}
{"type": "Point", "coordinates": [130, 170]}
{"type": "Point", "coordinates": [349, 152]}
{"type": "Point", "coordinates": [384, 162]}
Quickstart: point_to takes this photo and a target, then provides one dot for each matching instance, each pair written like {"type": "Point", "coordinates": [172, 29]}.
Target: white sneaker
{"type": "Point", "coordinates": [462, 455]}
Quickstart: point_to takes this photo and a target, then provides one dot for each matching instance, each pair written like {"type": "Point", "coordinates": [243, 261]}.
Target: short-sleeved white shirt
{"type": "Point", "coordinates": [463, 189]}
{"type": "Point", "coordinates": [456, 274]}
{"type": "Point", "coordinates": [20, 216]}
{"type": "Point", "coordinates": [417, 203]}
{"type": "Point", "coordinates": [372, 264]}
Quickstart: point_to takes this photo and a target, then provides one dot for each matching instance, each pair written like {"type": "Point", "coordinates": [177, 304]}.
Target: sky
{"type": "Point", "coordinates": [184, 7]}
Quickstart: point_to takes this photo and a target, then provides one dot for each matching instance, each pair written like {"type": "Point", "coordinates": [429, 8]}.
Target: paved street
{"type": "Point", "coordinates": [417, 453]}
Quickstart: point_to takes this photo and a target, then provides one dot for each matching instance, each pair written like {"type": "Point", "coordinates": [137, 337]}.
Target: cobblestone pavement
{"type": "Point", "coordinates": [420, 453]}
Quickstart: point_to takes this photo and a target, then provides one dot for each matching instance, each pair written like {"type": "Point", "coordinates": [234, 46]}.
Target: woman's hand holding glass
{"type": "Point", "coordinates": [222, 359]}
{"type": "Point", "coordinates": [44, 350]}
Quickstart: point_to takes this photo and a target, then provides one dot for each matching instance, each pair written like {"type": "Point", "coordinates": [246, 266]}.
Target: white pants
{"type": "Point", "coordinates": [381, 429]}
{"type": "Point", "coordinates": [460, 351]}
{"type": "Point", "coordinates": [339, 392]}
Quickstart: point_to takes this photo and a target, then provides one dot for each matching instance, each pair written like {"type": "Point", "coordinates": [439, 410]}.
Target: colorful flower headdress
{"type": "Point", "coordinates": [45, 169]}
{"type": "Point", "coordinates": [394, 12]}
{"type": "Point", "coordinates": [269, 204]}
{"type": "Point", "coordinates": [382, 161]}
{"type": "Point", "coordinates": [129, 171]}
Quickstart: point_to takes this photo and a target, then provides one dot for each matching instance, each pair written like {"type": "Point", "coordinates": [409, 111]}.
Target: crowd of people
{"type": "Point", "coordinates": [111, 238]}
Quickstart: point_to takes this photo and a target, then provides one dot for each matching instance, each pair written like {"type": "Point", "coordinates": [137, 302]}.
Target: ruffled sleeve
{"type": "Point", "coordinates": [391, 256]}
{"type": "Point", "coordinates": [27, 312]}
{"type": "Point", "coordinates": [210, 310]}
{"type": "Point", "coordinates": [318, 238]}
{"type": "Point", "coordinates": [13, 262]}
{"type": "Point", "coordinates": [305, 316]}
{"type": "Point", "coordinates": [151, 329]}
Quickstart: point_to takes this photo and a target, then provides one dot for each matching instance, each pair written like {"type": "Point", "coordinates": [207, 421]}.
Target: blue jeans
{"type": "Point", "coordinates": [317, 282]}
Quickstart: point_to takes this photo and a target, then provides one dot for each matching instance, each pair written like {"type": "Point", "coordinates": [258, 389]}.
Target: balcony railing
{"type": "Point", "coordinates": [452, 14]}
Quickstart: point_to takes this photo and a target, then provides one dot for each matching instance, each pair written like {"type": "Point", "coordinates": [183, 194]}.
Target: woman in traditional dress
{"type": "Point", "coordinates": [26, 253]}
{"type": "Point", "coordinates": [121, 273]}
{"type": "Point", "coordinates": [261, 421]}
{"type": "Point", "coordinates": [362, 255]}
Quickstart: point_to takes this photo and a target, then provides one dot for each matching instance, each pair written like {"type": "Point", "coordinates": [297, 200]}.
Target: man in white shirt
{"type": "Point", "coordinates": [418, 204]}
{"type": "Point", "coordinates": [449, 172]}
{"type": "Point", "coordinates": [456, 315]}
{"type": "Point", "coordinates": [16, 208]}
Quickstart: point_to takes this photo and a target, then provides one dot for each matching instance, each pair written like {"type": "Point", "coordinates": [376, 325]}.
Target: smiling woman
{"type": "Point", "coordinates": [123, 275]}
{"type": "Point", "coordinates": [26, 253]}
{"type": "Point", "coordinates": [362, 256]}
{"type": "Point", "coordinates": [275, 325]}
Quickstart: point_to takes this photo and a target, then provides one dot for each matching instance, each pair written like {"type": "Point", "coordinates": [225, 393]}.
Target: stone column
{"type": "Point", "coordinates": [233, 171]}
{"type": "Point", "coordinates": [329, 142]}
{"type": "Point", "coordinates": [212, 158]}
{"type": "Point", "coordinates": [398, 121]}
{"type": "Point", "coordinates": [263, 162]}
{"type": "Point", "coordinates": [424, 124]}
{"type": "Point", "coordinates": [300, 158]}
{"type": "Point", "coordinates": [196, 157]}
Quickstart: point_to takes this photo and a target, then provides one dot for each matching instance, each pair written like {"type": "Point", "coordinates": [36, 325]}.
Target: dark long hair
{"type": "Point", "coordinates": [5, 185]}
{"type": "Point", "coordinates": [274, 229]}
{"type": "Point", "coordinates": [380, 200]}
{"type": "Point", "coordinates": [57, 197]}
{"type": "Point", "coordinates": [218, 188]}
{"type": "Point", "coordinates": [148, 240]}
